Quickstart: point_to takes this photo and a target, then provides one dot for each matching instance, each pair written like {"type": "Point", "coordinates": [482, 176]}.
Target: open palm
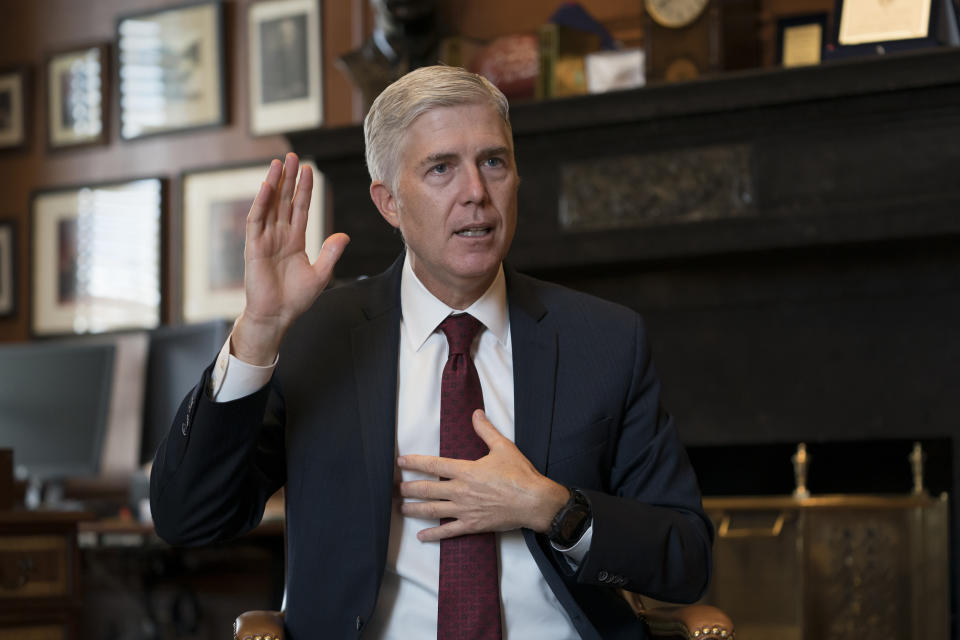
{"type": "Point", "coordinates": [279, 281]}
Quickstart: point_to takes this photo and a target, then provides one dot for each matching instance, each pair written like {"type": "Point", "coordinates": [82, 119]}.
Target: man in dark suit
{"type": "Point", "coordinates": [582, 487]}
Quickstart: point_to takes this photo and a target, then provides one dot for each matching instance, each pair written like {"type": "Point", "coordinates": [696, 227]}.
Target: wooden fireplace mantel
{"type": "Point", "coordinates": [852, 151]}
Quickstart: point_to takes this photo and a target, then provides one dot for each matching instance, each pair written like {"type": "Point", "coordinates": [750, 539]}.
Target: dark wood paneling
{"type": "Point", "coordinates": [31, 30]}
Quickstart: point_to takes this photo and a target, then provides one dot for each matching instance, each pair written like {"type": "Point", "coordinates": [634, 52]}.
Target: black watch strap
{"type": "Point", "coordinates": [571, 521]}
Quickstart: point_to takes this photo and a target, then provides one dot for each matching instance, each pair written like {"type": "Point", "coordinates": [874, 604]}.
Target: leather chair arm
{"type": "Point", "coordinates": [259, 625]}
{"type": "Point", "coordinates": [694, 622]}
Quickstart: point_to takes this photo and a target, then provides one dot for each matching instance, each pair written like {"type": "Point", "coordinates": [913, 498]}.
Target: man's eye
{"type": "Point", "coordinates": [439, 168]}
{"type": "Point", "coordinates": [494, 163]}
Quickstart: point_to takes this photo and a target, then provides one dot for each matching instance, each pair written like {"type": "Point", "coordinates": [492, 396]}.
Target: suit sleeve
{"type": "Point", "coordinates": [218, 465]}
{"type": "Point", "coordinates": [650, 534]}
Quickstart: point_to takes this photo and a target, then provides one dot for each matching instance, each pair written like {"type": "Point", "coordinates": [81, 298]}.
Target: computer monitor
{"type": "Point", "coordinates": [176, 358]}
{"type": "Point", "coordinates": [54, 406]}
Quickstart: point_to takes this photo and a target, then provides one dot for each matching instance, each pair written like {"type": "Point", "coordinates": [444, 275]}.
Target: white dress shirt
{"type": "Point", "coordinates": [407, 604]}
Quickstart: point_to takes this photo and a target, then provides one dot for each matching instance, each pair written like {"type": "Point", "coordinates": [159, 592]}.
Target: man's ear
{"type": "Point", "coordinates": [386, 203]}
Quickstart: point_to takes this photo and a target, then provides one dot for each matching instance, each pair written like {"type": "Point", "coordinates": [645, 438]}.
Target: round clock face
{"type": "Point", "coordinates": [675, 13]}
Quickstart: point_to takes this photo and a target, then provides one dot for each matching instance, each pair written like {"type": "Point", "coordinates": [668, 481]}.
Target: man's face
{"type": "Point", "coordinates": [455, 199]}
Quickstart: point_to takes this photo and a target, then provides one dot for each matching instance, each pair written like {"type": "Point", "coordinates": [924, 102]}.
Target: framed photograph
{"type": "Point", "coordinates": [8, 268]}
{"type": "Point", "coordinates": [871, 27]}
{"type": "Point", "coordinates": [13, 108]}
{"type": "Point", "coordinates": [77, 97]}
{"type": "Point", "coordinates": [96, 257]}
{"type": "Point", "coordinates": [215, 207]}
{"type": "Point", "coordinates": [170, 70]}
{"type": "Point", "coordinates": [286, 90]}
{"type": "Point", "coordinates": [800, 39]}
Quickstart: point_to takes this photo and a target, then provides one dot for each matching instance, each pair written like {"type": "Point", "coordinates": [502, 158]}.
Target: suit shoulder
{"type": "Point", "coordinates": [342, 307]}
{"type": "Point", "coordinates": [572, 305]}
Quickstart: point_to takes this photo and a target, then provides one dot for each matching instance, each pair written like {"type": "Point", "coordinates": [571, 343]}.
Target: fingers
{"type": "Point", "coordinates": [447, 530]}
{"type": "Point", "coordinates": [485, 429]}
{"type": "Point", "coordinates": [302, 197]}
{"type": "Point", "coordinates": [288, 183]}
{"type": "Point", "coordinates": [431, 465]}
{"type": "Point", "coordinates": [428, 489]}
{"type": "Point", "coordinates": [430, 510]}
{"type": "Point", "coordinates": [333, 247]}
{"type": "Point", "coordinates": [263, 204]}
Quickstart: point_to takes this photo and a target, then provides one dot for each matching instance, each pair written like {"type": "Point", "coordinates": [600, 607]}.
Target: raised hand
{"type": "Point", "coordinates": [279, 281]}
{"type": "Point", "coordinates": [499, 492]}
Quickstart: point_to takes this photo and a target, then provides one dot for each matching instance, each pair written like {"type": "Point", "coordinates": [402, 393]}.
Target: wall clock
{"type": "Point", "coordinates": [675, 14]}
{"type": "Point", "coordinates": [688, 38]}
{"type": "Point", "coordinates": [681, 38]}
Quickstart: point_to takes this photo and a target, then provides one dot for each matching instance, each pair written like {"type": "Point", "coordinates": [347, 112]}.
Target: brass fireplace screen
{"type": "Point", "coordinates": [832, 567]}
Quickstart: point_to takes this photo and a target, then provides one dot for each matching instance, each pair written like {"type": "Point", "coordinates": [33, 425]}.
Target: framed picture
{"type": "Point", "coordinates": [215, 207]}
{"type": "Point", "coordinates": [170, 70]}
{"type": "Point", "coordinates": [286, 91]}
{"type": "Point", "coordinates": [8, 268]}
{"type": "Point", "coordinates": [13, 108]}
{"type": "Point", "coordinates": [800, 39]}
{"type": "Point", "coordinates": [870, 27]}
{"type": "Point", "coordinates": [96, 258]}
{"type": "Point", "coordinates": [76, 97]}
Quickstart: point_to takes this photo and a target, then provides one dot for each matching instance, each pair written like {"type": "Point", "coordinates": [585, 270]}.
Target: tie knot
{"type": "Point", "coordinates": [460, 331]}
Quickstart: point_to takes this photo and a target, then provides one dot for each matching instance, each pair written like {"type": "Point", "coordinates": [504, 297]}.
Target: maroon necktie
{"type": "Point", "coordinates": [469, 600]}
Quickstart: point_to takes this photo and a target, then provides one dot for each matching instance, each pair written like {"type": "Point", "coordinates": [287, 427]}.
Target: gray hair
{"type": "Point", "coordinates": [411, 96]}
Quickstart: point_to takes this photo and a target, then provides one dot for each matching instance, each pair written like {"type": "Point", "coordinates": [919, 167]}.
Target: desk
{"type": "Point", "coordinates": [39, 575]}
{"type": "Point", "coordinates": [137, 586]}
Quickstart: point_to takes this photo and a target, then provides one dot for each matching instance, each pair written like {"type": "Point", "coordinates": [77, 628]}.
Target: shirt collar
{"type": "Point", "coordinates": [422, 311]}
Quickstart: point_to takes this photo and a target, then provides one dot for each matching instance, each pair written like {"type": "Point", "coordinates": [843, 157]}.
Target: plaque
{"type": "Point", "coordinates": [870, 21]}
{"type": "Point", "coordinates": [800, 40]}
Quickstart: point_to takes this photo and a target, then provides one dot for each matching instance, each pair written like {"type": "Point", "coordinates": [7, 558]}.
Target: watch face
{"type": "Point", "coordinates": [675, 13]}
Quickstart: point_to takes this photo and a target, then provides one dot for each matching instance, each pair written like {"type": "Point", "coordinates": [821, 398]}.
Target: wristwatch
{"type": "Point", "coordinates": [571, 521]}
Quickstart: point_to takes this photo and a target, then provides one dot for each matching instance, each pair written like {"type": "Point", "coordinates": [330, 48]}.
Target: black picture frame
{"type": "Point", "coordinates": [97, 256]}
{"type": "Point", "coordinates": [184, 47]}
{"type": "Point", "coordinates": [785, 23]}
{"type": "Point", "coordinates": [9, 273]}
{"type": "Point", "coordinates": [938, 29]}
{"type": "Point", "coordinates": [77, 83]}
{"type": "Point", "coordinates": [15, 108]}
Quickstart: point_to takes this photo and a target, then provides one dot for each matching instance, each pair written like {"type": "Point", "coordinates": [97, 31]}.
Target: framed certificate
{"type": "Point", "coordinates": [800, 39]}
{"type": "Point", "coordinates": [882, 26]}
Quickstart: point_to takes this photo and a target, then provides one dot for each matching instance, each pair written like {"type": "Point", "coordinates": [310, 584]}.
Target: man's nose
{"type": "Point", "coordinates": [474, 188]}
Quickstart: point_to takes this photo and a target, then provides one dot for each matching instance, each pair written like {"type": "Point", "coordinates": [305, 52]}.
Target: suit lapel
{"type": "Point", "coordinates": [375, 345]}
{"type": "Point", "coordinates": [534, 344]}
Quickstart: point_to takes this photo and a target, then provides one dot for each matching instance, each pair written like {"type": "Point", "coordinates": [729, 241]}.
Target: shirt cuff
{"type": "Point", "coordinates": [233, 378]}
{"type": "Point", "coordinates": [578, 551]}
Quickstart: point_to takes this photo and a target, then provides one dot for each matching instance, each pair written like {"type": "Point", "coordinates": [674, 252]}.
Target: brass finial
{"type": "Point", "coordinates": [801, 462]}
{"type": "Point", "coordinates": [916, 457]}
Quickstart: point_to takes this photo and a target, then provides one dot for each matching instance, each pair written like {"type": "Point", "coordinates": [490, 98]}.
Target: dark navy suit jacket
{"type": "Point", "coordinates": [587, 415]}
